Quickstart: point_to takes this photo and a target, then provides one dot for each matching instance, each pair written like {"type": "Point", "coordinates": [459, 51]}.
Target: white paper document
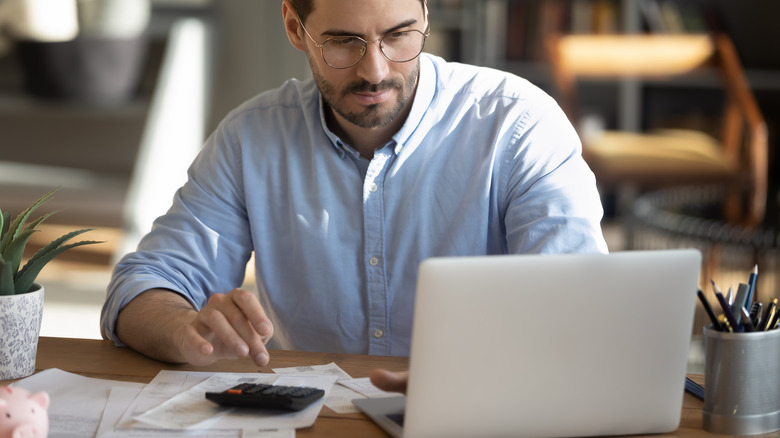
{"type": "Point", "coordinates": [315, 370]}
{"type": "Point", "coordinates": [190, 409]}
{"type": "Point", "coordinates": [119, 401]}
{"type": "Point", "coordinates": [77, 402]}
{"type": "Point", "coordinates": [339, 400]}
{"type": "Point", "coordinates": [165, 385]}
{"type": "Point", "coordinates": [346, 389]}
{"type": "Point", "coordinates": [365, 388]}
{"type": "Point", "coordinates": [173, 404]}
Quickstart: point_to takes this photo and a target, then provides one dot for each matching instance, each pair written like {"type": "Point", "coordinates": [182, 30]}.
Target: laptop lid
{"type": "Point", "coordinates": [551, 345]}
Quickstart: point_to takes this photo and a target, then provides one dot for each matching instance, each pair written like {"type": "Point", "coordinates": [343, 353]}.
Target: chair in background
{"type": "Point", "coordinates": [736, 158]}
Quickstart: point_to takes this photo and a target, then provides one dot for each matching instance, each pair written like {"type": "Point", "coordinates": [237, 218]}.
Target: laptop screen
{"type": "Point", "coordinates": [551, 345]}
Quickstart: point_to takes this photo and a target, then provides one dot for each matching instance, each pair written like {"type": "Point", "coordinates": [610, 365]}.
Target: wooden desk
{"type": "Point", "coordinates": [102, 359]}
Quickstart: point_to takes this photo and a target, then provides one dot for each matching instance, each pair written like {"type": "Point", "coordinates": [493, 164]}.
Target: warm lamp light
{"type": "Point", "coordinates": [679, 53]}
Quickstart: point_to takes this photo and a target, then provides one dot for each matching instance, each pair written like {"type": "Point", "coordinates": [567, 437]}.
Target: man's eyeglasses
{"type": "Point", "coordinates": [345, 51]}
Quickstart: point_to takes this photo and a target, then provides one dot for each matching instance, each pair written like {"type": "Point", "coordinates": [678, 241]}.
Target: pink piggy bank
{"type": "Point", "coordinates": [22, 414]}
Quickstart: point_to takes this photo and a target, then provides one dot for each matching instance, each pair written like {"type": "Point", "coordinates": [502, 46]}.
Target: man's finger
{"type": "Point", "coordinates": [250, 306]}
{"type": "Point", "coordinates": [389, 380]}
{"type": "Point", "coordinates": [225, 323]}
{"type": "Point", "coordinates": [252, 324]}
{"type": "Point", "coordinates": [194, 348]}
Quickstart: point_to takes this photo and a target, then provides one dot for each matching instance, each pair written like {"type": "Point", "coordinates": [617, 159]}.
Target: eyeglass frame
{"type": "Point", "coordinates": [425, 35]}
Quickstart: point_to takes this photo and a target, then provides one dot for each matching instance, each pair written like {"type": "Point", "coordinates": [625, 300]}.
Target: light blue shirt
{"type": "Point", "coordinates": [486, 163]}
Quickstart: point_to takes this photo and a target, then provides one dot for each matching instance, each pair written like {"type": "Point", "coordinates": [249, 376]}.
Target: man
{"type": "Point", "coordinates": [341, 186]}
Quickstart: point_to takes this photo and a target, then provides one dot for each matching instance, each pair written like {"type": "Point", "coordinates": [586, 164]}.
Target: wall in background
{"type": "Point", "coordinates": [252, 53]}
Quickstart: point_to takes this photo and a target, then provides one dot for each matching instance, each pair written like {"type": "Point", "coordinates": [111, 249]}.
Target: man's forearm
{"type": "Point", "coordinates": [149, 323]}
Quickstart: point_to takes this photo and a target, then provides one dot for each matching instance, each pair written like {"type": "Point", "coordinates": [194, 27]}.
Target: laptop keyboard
{"type": "Point", "coordinates": [397, 418]}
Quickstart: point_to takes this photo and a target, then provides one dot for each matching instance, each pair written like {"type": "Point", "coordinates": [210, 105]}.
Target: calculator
{"type": "Point", "coordinates": [265, 396]}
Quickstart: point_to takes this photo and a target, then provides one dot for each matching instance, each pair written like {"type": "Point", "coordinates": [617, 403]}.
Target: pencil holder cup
{"type": "Point", "coordinates": [741, 381]}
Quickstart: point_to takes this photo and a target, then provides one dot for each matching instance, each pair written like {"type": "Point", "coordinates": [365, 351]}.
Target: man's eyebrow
{"type": "Point", "coordinates": [339, 32]}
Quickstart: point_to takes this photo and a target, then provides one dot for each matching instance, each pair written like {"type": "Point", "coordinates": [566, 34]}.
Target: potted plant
{"type": "Point", "coordinates": [21, 298]}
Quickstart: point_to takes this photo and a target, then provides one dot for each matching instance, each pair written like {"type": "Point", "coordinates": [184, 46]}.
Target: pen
{"type": "Point", "coordinates": [775, 315]}
{"type": "Point", "coordinates": [755, 313]}
{"type": "Point", "coordinates": [725, 323]}
{"type": "Point", "coordinates": [739, 302]}
{"type": "Point", "coordinates": [727, 312]}
{"type": "Point", "coordinates": [769, 314]}
{"type": "Point", "coordinates": [752, 280]}
{"type": "Point", "coordinates": [694, 388]}
{"type": "Point", "coordinates": [748, 324]}
{"type": "Point", "coordinates": [715, 287]}
{"type": "Point", "coordinates": [730, 296]}
{"type": "Point", "coordinates": [715, 323]}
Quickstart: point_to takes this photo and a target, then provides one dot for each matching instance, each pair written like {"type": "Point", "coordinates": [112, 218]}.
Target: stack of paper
{"type": "Point", "coordinates": [173, 404]}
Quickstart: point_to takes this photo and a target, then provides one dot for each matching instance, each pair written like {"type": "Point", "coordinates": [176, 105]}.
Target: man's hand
{"type": "Point", "coordinates": [163, 325]}
{"type": "Point", "coordinates": [390, 381]}
{"type": "Point", "coordinates": [229, 326]}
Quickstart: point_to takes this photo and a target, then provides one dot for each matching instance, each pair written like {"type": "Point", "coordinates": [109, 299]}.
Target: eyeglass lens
{"type": "Point", "coordinates": [344, 52]}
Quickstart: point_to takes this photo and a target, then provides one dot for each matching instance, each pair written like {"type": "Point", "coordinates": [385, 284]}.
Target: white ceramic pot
{"type": "Point", "coordinates": [20, 326]}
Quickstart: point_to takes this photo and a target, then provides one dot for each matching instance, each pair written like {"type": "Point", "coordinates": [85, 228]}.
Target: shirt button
{"type": "Point", "coordinates": [378, 333]}
{"type": "Point", "coordinates": [374, 261]}
{"type": "Point", "coordinates": [373, 187]}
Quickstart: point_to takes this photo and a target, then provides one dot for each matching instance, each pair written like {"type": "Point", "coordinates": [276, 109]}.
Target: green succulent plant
{"type": "Point", "coordinates": [14, 236]}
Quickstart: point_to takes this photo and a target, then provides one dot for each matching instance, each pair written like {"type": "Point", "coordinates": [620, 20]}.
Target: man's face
{"type": "Point", "coordinates": [373, 92]}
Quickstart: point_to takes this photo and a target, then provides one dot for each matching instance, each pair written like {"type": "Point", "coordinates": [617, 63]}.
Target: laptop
{"type": "Point", "coordinates": [547, 346]}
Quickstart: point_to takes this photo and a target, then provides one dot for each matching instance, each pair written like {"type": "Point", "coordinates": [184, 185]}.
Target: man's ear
{"type": "Point", "coordinates": [292, 26]}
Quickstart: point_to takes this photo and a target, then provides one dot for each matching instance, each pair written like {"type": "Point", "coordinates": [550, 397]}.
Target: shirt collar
{"type": "Point", "coordinates": [339, 145]}
{"type": "Point", "coordinates": [426, 88]}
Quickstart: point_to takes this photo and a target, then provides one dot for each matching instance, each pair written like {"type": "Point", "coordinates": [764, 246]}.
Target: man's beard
{"type": "Point", "coordinates": [373, 116]}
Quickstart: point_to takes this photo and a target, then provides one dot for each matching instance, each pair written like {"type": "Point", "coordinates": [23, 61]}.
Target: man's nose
{"type": "Point", "coordinates": [374, 66]}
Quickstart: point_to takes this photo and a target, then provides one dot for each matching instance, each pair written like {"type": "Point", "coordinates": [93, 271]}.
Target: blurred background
{"type": "Point", "coordinates": [113, 107]}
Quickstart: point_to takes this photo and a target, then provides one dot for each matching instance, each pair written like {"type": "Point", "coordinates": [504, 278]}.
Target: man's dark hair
{"type": "Point", "coordinates": [305, 7]}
